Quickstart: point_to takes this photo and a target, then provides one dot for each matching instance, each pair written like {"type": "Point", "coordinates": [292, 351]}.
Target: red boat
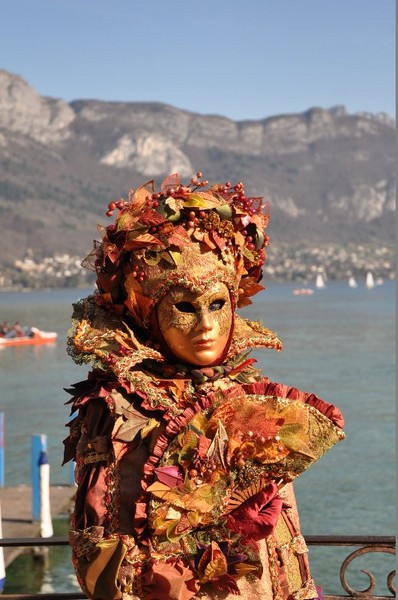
{"type": "Point", "coordinates": [37, 337]}
{"type": "Point", "coordinates": [303, 291]}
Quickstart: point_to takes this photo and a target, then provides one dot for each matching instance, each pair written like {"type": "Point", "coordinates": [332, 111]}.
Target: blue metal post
{"type": "Point", "coordinates": [39, 445]}
{"type": "Point", "coordinates": [2, 475]}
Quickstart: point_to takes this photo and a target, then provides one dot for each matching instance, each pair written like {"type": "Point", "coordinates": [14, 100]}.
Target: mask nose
{"type": "Point", "coordinates": [205, 321]}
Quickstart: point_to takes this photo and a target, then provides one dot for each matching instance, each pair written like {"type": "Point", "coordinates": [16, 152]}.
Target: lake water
{"type": "Point", "coordinates": [338, 343]}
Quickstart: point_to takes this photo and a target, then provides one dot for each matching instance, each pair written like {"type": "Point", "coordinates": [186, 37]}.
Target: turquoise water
{"type": "Point", "coordinates": [338, 343]}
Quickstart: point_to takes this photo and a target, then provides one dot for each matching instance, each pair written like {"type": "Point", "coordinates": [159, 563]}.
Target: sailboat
{"type": "Point", "coordinates": [352, 282]}
{"type": "Point", "coordinates": [370, 282]}
{"type": "Point", "coordinates": [320, 282]}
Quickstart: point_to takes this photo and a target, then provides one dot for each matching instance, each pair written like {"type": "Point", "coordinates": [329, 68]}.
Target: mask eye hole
{"type": "Point", "coordinates": [185, 307]}
{"type": "Point", "coordinates": [216, 305]}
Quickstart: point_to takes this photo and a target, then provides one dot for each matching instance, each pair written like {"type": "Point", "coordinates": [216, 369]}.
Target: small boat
{"type": "Point", "coordinates": [303, 291]}
{"type": "Point", "coordinates": [37, 337]}
{"type": "Point", "coordinates": [320, 282]}
{"type": "Point", "coordinates": [352, 282]}
{"type": "Point", "coordinates": [370, 282]}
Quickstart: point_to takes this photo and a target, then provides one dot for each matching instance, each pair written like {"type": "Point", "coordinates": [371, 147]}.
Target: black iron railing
{"type": "Point", "coordinates": [363, 544]}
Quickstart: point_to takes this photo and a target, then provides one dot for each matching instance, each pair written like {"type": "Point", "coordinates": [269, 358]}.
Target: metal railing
{"type": "Point", "coordinates": [364, 545]}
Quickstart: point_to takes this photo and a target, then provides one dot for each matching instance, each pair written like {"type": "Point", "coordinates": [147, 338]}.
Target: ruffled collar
{"type": "Point", "coordinates": [109, 343]}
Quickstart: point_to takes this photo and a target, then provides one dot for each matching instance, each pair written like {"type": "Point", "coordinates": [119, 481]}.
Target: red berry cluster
{"type": "Point", "coordinates": [123, 351]}
{"type": "Point", "coordinates": [138, 273]}
{"type": "Point", "coordinates": [120, 204]}
{"type": "Point", "coordinates": [201, 469]}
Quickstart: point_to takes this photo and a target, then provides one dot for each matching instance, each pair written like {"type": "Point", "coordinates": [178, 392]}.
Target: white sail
{"type": "Point", "coordinates": [370, 282]}
{"type": "Point", "coordinates": [320, 282]}
{"type": "Point", "coordinates": [352, 282]}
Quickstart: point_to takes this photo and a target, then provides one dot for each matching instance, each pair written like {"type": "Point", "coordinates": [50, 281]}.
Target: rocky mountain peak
{"type": "Point", "coordinates": [24, 111]}
{"type": "Point", "coordinates": [328, 175]}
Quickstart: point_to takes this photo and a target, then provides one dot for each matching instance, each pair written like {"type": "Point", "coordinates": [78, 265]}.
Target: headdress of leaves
{"type": "Point", "coordinates": [156, 226]}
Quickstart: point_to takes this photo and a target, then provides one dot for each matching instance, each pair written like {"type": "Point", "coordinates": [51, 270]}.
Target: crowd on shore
{"type": "Point", "coordinates": [15, 330]}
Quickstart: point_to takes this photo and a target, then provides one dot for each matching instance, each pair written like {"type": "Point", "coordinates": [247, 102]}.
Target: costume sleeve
{"type": "Point", "coordinates": [109, 454]}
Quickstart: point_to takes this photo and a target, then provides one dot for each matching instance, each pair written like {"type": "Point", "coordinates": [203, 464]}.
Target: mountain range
{"type": "Point", "coordinates": [329, 176]}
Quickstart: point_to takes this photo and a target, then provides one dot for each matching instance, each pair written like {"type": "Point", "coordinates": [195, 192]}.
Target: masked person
{"type": "Point", "coordinates": [184, 451]}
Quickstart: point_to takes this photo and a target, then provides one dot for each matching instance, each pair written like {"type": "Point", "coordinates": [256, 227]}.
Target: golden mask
{"type": "Point", "coordinates": [196, 326]}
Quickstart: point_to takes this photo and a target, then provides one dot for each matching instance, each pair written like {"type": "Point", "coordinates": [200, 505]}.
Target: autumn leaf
{"type": "Point", "coordinates": [208, 241]}
{"type": "Point", "coordinates": [138, 304]}
{"type": "Point", "coordinates": [182, 526]}
{"type": "Point", "coordinates": [128, 426]}
{"type": "Point", "coordinates": [243, 301]}
{"type": "Point", "coordinates": [175, 256]}
{"type": "Point", "coordinates": [142, 240]}
{"type": "Point", "coordinates": [130, 337]}
{"type": "Point", "coordinates": [151, 218]}
{"type": "Point", "coordinates": [202, 200]}
{"type": "Point", "coordinates": [108, 281]}
{"type": "Point", "coordinates": [120, 403]}
{"type": "Point", "coordinates": [110, 250]}
{"type": "Point", "coordinates": [213, 562]}
{"type": "Point", "coordinates": [152, 258]}
{"type": "Point", "coordinates": [240, 240]}
{"type": "Point", "coordinates": [126, 221]}
{"type": "Point", "coordinates": [198, 235]}
{"type": "Point", "coordinates": [178, 237]}
{"type": "Point", "coordinates": [159, 489]}
{"type": "Point", "coordinates": [170, 476]}
{"type": "Point", "coordinates": [203, 446]}
{"type": "Point", "coordinates": [271, 452]}
{"type": "Point", "coordinates": [189, 444]}
{"type": "Point", "coordinates": [219, 240]}
{"type": "Point", "coordinates": [250, 286]}
{"type": "Point", "coordinates": [170, 181]}
{"type": "Point", "coordinates": [199, 423]}
{"type": "Point", "coordinates": [194, 201]}
{"type": "Point", "coordinates": [174, 204]}
{"type": "Point", "coordinates": [139, 197]}
{"type": "Point", "coordinates": [201, 499]}
{"type": "Point", "coordinates": [248, 254]}
{"type": "Point", "coordinates": [219, 445]}
{"type": "Point", "coordinates": [149, 427]}
{"type": "Point", "coordinates": [295, 438]}
{"type": "Point", "coordinates": [134, 290]}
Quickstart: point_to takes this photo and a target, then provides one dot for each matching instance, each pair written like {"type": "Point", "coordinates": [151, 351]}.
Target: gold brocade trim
{"type": "Point", "coordinates": [95, 457]}
{"type": "Point", "coordinates": [297, 545]}
{"type": "Point", "coordinates": [273, 567]}
{"type": "Point", "coordinates": [83, 541]}
{"type": "Point", "coordinates": [306, 592]}
{"type": "Point", "coordinates": [111, 498]}
{"type": "Point", "coordinates": [251, 334]}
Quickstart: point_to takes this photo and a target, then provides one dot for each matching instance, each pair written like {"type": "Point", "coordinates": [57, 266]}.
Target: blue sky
{"type": "Point", "coordinates": [242, 59]}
